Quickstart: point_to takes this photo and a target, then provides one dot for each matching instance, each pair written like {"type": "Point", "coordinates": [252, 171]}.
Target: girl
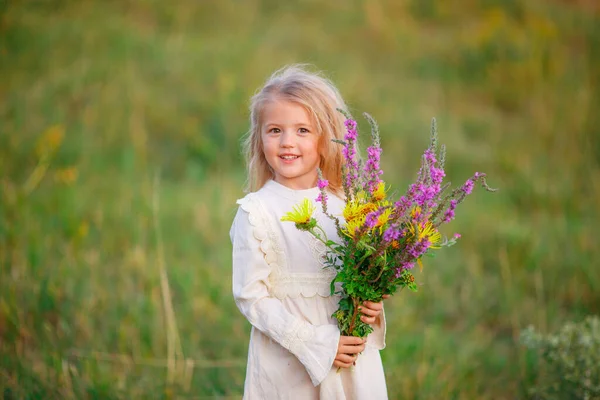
{"type": "Point", "coordinates": [279, 283]}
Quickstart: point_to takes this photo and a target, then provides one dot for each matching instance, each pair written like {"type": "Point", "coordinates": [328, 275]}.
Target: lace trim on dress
{"type": "Point", "coordinates": [299, 332]}
{"type": "Point", "coordinates": [283, 283]}
{"type": "Point", "coordinates": [302, 284]}
{"type": "Point", "coordinates": [319, 250]}
{"type": "Point", "coordinates": [269, 245]}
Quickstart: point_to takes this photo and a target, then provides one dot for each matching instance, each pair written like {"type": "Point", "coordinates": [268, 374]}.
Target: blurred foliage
{"type": "Point", "coordinates": [570, 360]}
{"type": "Point", "coordinates": [99, 98]}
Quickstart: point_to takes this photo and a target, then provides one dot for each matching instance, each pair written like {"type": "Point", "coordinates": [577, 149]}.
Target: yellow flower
{"type": "Point", "coordinates": [353, 210]}
{"type": "Point", "coordinates": [356, 209]}
{"type": "Point", "coordinates": [425, 230]}
{"type": "Point", "coordinates": [83, 229]}
{"type": "Point", "coordinates": [385, 203]}
{"type": "Point", "coordinates": [367, 208]}
{"type": "Point", "coordinates": [66, 175]}
{"type": "Point", "coordinates": [361, 196]}
{"type": "Point", "coordinates": [415, 212]}
{"type": "Point", "coordinates": [353, 226]}
{"type": "Point", "coordinates": [302, 215]}
{"type": "Point", "coordinates": [50, 140]}
{"type": "Point", "coordinates": [428, 231]}
{"type": "Point", "coordinates": [379, 192]}
{"type": "Point", "coordinates": [434, 238]}
{"type": "Point", "coordinates": [383, 219]}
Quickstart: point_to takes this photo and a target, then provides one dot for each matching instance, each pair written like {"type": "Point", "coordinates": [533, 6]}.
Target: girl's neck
{"type": "Point", "coordinates": [295, 185]}
{"type": "Point", "coordinates": [291, 193]}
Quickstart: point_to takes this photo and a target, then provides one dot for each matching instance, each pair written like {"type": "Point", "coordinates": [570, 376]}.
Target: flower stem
{"type": "Point", "coordinates": [355, 303]}
{"type": "Point", "coordinates": [324, 241]}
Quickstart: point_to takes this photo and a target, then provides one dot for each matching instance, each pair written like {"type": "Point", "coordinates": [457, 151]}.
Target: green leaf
{"type": "Point", "coordinates": [345, 304]}
{"type": "Point", "coordinates": [332, 287]}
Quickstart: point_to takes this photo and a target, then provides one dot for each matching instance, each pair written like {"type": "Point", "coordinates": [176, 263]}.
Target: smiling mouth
{"type": "Point", "coordinates": [288, 157]}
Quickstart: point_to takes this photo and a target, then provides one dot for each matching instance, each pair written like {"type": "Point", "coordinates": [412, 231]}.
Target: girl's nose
{"type": "Point", "coordinates": [287, 140]}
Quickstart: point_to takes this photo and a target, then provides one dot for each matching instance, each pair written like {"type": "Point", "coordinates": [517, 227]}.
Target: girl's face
{"type": "Point", "coordinates": [290, 144]}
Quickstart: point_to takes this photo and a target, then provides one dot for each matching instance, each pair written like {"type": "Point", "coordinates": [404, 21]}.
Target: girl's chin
{"type": "Point", "coordinates": [289, 162]}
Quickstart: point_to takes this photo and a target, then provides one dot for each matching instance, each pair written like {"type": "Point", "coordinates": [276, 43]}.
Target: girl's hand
{"type": "Point", "coordinates": [348, 349]}
{"type": "Point", "coordinates": [370, 311]}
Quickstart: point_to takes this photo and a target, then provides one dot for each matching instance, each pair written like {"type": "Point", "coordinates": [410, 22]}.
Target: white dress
{"type": "Point", "coordinates": [281, 287]}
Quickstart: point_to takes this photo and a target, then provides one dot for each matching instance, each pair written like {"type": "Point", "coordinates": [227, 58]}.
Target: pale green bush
{"type": "Point", "coordinates": [569, 363]}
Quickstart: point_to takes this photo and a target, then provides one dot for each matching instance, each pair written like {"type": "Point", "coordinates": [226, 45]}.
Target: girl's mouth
{"type": "Point", "coordinates": [288, 157]}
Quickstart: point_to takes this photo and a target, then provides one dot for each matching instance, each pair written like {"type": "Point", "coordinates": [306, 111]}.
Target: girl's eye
{"type": "Point", "coordinates": [274, 130]}
{"type": "Point", "coordinates": [303, 130]}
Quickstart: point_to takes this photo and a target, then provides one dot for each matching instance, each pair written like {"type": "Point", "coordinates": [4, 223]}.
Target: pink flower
{"type": "Point", "coordinates": [321, 198]}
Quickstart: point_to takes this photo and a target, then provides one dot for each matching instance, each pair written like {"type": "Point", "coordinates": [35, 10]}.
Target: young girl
{"type": "Point", "coordinates": [279, 281]}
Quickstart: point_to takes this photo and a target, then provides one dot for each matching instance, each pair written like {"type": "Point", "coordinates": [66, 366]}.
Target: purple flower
{"type": "Point", "coordinates": [349, 153]}
{"type": "Point", "coordinates": [417, 249]}
{"type": "Point", "coordinates": [430, 156]}
{"type": "Point", "coordinates": [404, 266]}
{"type": "Point", "coordinates": [402, 205]}
{"type": "Point", "coordinates": [449, 214]}
{"type": "Point", "coordinates": [350, 124]}
{"type": "Point", "coordinates": [437, 175]}
{"type": "Point", "coordinates": [467, 187]}
{"type": "Point", "coordinates": [372, 218]}
{"type": "Point", "coordinates": [457, 236]}
{"type": "Point", "coordinates": [372, 168]}
{"type": "Point", "coordinates": [322, 183]}
{"type": "Point", "coordinates": [322, 197]}
{"type": "Point", "coordinates": [424, 195]}
{"type": "Point", "coordinates": [392, 233]}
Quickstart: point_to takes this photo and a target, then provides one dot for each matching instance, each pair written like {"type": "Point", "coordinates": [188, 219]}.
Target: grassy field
{"type": "Point", "coordinates": [120, 127]}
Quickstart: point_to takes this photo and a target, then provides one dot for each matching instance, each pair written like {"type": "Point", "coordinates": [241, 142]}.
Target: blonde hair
{"type": "Point", "coordinates": [321, 99]}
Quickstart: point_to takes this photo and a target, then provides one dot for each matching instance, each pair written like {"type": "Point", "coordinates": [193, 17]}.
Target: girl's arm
{"type": "Point", "coordinates": [314, 346]}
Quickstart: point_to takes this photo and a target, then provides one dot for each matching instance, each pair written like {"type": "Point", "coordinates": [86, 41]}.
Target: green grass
{"type": "Point", "coordinates": [147, 88]}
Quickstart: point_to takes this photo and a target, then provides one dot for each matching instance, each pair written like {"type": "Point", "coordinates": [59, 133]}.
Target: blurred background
{"type": "Point", "coordinates": [120, 164]}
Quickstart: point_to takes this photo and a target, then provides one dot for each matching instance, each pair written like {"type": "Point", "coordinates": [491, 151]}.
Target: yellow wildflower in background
{"type": "Point", "coordinates": [45, 148]}
{"type": "Point", "coordinates": [50, 140]}
{"type": "Point", "coordinates": [66, 175]}
{"type": "Point", "coordinates": [83, 229]}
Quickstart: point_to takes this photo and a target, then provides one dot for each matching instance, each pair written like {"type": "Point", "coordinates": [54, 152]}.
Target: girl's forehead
{"type": "Point", "coordinates": [283, 110]}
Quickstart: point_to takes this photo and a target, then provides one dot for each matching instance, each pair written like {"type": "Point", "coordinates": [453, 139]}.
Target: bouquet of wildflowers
{"type": "Point", "coordinates": [382, 239]}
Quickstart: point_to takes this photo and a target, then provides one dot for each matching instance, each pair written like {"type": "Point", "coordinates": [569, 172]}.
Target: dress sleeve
{"type": "Point", "coordinates": [314, 346]}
